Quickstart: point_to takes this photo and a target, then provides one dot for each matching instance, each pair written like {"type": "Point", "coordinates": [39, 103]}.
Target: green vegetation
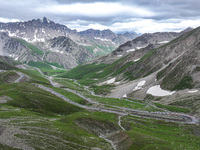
{"type": "Point", "coordinates": [186, 82]}
{"type": "Point", "coordinates": [5, 66]}
{"type": "Point", "coordinates": [86, 73]}
{"type": "Point", "coordinates": [102, 50]}
{"type": "Point", "coordinates": [54, 64]}
{"type": "Point", "coordinates": [31, 47]}
{"type": "Point", "coordinates": [70, 95]}
{"type": "Point", "coordinates": [39, 64]}
{"type": "Point", "coordinates": [34, 78]}
{"type": "Point", "coordinates": [28, 96]}
{"type": "Point", "coordinates": [102, 90]}
{"type": "Point", "coordinates": [8, 76]}
{"type": "Point", "coordinates": [69, 84]}
{"type": "Point", "coordinates": [173, 108]}
{"type": "Point", "coordinates": [45, 68]}
{"type": "Point", "coordinates": [151, 134]}
{"type": "Point", "coordinates": [83, 71]}
{"type": "Point", "coordinates": [47, 122]}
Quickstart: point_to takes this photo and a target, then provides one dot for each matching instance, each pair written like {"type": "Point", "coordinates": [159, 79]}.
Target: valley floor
{"type": "Point", "coordinates": [41, 112]}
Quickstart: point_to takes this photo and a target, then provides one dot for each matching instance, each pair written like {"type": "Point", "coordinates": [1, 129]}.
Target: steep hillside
{"type": "Point", "coordinates": [38, 111]}
{"type": "Point", "coordinates": [15, 49]}
{"type": "Point", "coordinates": [65, 52]}
{"type": "Point", "coordinates": [146, 39]}
{"type": "Point", "coordinates": [169, 72]}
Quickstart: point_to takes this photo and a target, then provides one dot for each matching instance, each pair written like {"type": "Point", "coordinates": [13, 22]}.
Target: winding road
{"type": "Point", "coordinates": [122, 111]}
{"type": "Point", "coordinates": [21, 75]}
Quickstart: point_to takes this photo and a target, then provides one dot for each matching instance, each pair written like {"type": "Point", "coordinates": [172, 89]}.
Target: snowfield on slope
{"type": "Point", "coordinates": [139, 85]}
{"type": "Point", "coordinates": [192, 91]}
{"type": "Point", "coordinates": [110, 81]}
{"type": "Point", "coordinates": [157, 91]}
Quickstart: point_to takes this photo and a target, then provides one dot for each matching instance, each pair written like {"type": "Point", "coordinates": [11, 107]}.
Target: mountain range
{"type": "Point", "coordinates": [41, 32]}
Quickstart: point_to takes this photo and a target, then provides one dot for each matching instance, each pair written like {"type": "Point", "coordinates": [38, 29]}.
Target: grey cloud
{"type": "Point", "coordinates": [165, 10]}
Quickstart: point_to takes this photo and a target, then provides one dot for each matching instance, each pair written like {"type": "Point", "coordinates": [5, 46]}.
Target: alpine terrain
{"type": "Point", "coordinates": [57, 91]}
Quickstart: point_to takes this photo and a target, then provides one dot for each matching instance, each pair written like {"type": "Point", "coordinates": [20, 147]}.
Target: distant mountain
{"type": "Point", "coordinates": [186, 30]}
{"type": "Point", "coordinates": [61, 50]}
{"type": "Point", "coordinates": [108, 35]}
{"type": "Point", "coordinates": [37, 30]}
{"type": "Point", "coordinates": [144, 40]}
{"type": "Point", "coordinates": [65, 52]}
{"type": "Point", "coordinates": [14, 48]}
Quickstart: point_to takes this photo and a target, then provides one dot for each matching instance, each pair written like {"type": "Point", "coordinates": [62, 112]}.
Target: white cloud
{"type": "Point", "coordinates": [97, 9]}
{"type": "Point", "coordinates": [5, 20]}
{"type": "Point", "coordinates": [141, 25]}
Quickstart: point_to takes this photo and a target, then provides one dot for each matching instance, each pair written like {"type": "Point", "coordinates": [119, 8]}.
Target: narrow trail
{"type": "Point", "coordinates": [119, 123]}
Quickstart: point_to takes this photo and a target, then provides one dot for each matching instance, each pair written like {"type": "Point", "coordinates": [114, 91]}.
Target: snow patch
{"type": "Point", "coordinates": [124, 95]}
{"type": "Point", "coordinates": [157, 91]}
{"type": "Point", "coordinates": [130, 50]}
{"type": "Point", "coordinates": [119, 55]}
{"type": "Point", "coordinates": [139, 85]}
{"type": "Point", "coordinates": [136, 60]}
{"type": "Point", "coordinates": [139, 47]}
{"type": "Point", "coordinates": [37, 39]}
{"type": "Point", "coordinates": [111, 81]}
{"type": "Point", "coordinates": [162, 42]}
{"type": "Point", "coordinates": [57, 51]}
{"type": "Point", "coordinates": [107, 40]}
{"type": "Point", "coordinates": [192, 91]}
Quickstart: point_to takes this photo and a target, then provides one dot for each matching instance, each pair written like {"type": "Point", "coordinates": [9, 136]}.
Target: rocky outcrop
{"type": "Point", "coordinates": [13, 48]}
{"type": "Point", "coordinates": [65, 52]}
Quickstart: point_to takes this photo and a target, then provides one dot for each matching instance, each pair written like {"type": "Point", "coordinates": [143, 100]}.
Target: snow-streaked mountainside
{"type": "Point", "coordinates": [164, 71]}
{"type": "Point", "coordinates": [44, 40]}
{"type": "Point", "coordinates": [146, 39]}
{"type": "Point", "coordinates": [65, 52]}
{"type": "Point", "coordinates": [96, 41]}
{"type": "Point", "coordinates": [37, 30]}
{"type": "Point", "coordinates": [109, 36]}
{"type": "Point", "coordinates": [60, 50]}
{"type": "Point", "coordinates": [141, 44]}
{"type": "Point", "coordinates": [15, 49]}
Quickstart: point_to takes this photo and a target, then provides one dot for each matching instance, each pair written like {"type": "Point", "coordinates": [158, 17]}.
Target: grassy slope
{"type": "Point", "coordinates": [30, 103]}
{"type": "Point", "coordinates": [50, 121]}
{"type": "Point", "coordinates": [31, 47]}
{"type": "Point", "coordinates": [46, 67]}
{"type": "Point", "coordinates": [151, 134]}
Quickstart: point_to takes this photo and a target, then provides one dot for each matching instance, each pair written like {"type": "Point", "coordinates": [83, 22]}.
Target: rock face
{"type": "Point", "coordinates": [146, 39]}
{"type": "Point", "coordinates": [37, 30]}
{"type": "Point", "coordinates": [65, 52]}
{"type": "Point", "coordinates": [16, 50]}
{"type": "Point", "coordinates": [61, 50]}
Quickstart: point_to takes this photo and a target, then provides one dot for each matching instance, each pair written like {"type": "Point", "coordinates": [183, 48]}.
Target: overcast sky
{"type": "Point", "coordinates": [141, 16]}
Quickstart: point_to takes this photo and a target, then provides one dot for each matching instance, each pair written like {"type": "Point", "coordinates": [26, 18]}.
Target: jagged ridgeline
{"type": "Point", "coordinates": [46, 41]}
